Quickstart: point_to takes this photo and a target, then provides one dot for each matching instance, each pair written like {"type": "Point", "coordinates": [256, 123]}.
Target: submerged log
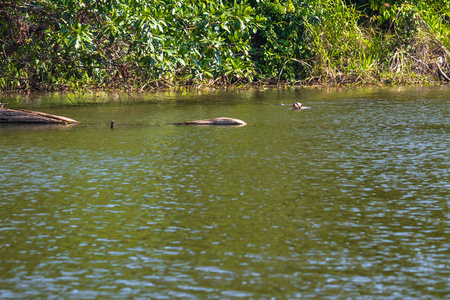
{"type": "Point", "coordinates": [28, 116]}
{"type": "Point", "coordinates": [217, 121]}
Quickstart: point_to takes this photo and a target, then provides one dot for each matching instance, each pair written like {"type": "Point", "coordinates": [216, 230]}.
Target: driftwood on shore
{"type": "Point", "coordinates": [27, 117]}
{"type": "Point", "coordinates": [442, 74]}
{"type": "Point", "coordinates": [440, 61]}
{"type": "Point", "coordinates": [224, 121]}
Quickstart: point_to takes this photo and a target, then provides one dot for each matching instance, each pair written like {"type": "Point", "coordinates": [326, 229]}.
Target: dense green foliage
{"type": "Point", "coordinates": [136, 44]}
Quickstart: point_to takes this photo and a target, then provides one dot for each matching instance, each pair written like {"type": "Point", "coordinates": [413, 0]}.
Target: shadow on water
{"type": "Point", "coordinates": [35, 127]}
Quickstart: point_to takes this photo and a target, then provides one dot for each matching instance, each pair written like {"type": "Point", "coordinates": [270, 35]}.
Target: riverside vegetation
{"type": "Point", "coordinates": [142, 45]}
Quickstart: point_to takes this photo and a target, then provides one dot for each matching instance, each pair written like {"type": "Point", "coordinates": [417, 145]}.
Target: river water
{"type": "Point", "coordinates": [346, 200]}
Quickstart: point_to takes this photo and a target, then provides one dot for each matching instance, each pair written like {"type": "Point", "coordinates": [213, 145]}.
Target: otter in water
{"type": "Point", "coordinates": [298, 105]}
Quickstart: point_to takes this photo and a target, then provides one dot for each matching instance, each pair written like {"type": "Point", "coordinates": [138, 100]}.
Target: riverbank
{"type": "Point", "coordinates": [156, 45]}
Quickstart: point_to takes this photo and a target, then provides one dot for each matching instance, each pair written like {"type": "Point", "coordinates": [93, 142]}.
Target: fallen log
{"type": "Point", "coordinates": [28, 116]}
{"type": "Point", "coordinates": [223, 121]}
{"type": "Point", "coordinates": [441, 73]}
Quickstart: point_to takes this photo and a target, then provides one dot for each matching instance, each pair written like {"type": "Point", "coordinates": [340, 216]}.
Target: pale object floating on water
{"type": "Point", "coordinates": [217, 121]}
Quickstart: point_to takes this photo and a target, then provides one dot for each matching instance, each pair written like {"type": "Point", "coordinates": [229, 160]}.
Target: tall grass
{"type": "Point", "coordinates": [350, 48]}
{"type": "Point", "coordinates": [343, 50]}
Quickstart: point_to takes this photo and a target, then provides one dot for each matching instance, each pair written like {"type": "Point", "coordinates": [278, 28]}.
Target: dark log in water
{"type": "Point", "coordinates": [217, 121]}
{"type": "Point", "coordinates": [28, 116]}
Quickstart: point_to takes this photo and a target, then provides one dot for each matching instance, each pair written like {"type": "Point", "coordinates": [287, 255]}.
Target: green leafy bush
{"type": "Point", "coordinates": [138, 45]}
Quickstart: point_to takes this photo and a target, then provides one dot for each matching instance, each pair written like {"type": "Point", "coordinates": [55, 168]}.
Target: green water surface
{"type": "Point", "coordinates": [346, 200]}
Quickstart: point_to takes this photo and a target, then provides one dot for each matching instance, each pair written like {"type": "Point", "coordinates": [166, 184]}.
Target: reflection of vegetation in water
{"type": "Point", "coordinates": [139, 45]}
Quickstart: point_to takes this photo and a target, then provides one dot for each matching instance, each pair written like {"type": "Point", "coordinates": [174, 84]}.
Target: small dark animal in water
{"type": "Point", "coordinates": [112, 124]}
